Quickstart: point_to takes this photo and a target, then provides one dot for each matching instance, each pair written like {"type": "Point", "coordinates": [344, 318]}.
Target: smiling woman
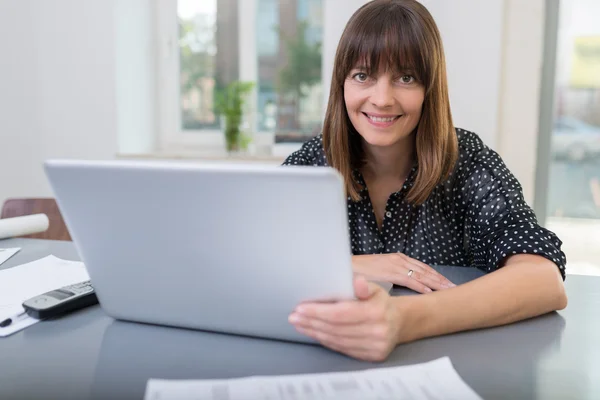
{"type": "Point", "coordinates": [420, 193]}
{"type": "Point", "coordinates": [385, 64]}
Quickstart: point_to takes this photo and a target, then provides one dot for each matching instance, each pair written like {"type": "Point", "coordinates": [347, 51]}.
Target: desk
{"type": "Point", "coordinates": [88, 355]}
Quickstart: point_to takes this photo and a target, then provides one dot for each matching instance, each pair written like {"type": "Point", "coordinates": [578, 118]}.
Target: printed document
{"type": "Point", "coordinates": [434, 380]}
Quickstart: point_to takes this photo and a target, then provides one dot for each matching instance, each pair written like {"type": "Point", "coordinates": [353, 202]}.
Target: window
{"type": "Point", "coordinates": [573, 205]}
{"type": "Point", "coordinates": [208, 44]}
{"type": "Point", "coordinates": [197, 63]}
{"type": "Point", "coordinates": [289, 66]}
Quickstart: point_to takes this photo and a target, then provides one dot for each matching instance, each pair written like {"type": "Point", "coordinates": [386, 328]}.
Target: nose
{"type": "Point", "coordinates": [382, 95]}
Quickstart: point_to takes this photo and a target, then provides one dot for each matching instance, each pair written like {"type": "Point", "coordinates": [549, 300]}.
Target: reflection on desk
{"type": "Point", "coordinates": [132, 353]}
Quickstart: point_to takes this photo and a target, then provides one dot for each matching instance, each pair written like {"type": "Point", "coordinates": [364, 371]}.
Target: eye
{"type": "Point", "coordinates": [407, 79]}
{"type": "Point", "coordinates": [360, 77]}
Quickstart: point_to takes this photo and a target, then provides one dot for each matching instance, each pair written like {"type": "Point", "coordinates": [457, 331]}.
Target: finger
{"type": "Point", "coordinates": [414, 282]}
{"type": "Point", "coordinates": [431, 277]}
{"type": "Point", "coordinates": [364, 355]}
{"type": "Point", "coordinates": [423, 267]}
{"type": "Point", "coordinates": [416, 265]}
{"type": "Point", "coordinates": [343, 330]}
{"type": "Point", "coordinates": [359, 354]}
{"type": "Point", "coordinates": [340, 343]}
{"type": "Point", "coordinates": [358, 349]}
{"type": "Point", "coordinates": [429, 270]}
{"type": "Point", "coordinates": [428, 280]}
{"type": "Point", "coordinates": [343, 312]}
{"type": "Point", "coordinates": [363, 289]}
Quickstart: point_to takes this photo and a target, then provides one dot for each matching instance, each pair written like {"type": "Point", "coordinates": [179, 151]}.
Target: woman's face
{"type": "Point", "coordinates": [384, 109]}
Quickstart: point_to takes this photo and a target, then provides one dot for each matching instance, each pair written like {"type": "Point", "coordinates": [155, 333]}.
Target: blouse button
{"type": "Point", "coordinates": [388, 214]}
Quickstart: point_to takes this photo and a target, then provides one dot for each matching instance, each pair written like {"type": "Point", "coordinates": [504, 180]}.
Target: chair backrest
{"type": "Point", "coordinates": [57, 229]}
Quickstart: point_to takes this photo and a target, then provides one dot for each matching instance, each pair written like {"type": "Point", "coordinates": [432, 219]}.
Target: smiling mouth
{"type": "Point", "coordinates": [381, 120]}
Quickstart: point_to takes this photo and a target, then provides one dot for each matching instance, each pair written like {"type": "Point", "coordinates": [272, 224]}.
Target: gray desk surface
{"type": "Point", "coordinates": [87, 354]}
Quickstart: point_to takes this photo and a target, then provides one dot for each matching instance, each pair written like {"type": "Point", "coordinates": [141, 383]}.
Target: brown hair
{"type": "Point", "coordinates": [402, 35]}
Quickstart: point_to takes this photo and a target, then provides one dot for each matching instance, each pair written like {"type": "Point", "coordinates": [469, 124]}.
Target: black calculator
{"type": "Point", "coordinates": [60, 301]}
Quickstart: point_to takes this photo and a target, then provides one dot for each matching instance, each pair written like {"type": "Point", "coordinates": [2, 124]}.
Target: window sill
{"type": "Point", "coordinates": [204, 156]}
{"type": "Point", "coordinates": [272, 154]}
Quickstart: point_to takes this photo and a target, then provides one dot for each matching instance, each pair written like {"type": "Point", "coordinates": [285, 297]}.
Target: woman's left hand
{"type": "Point", "coordinates": [366, 328]}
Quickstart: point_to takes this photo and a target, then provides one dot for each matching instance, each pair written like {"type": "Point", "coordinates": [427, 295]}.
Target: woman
{"type": "Point", "coordinates": [419, 192]}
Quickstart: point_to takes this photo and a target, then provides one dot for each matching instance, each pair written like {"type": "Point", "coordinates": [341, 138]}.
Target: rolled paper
{"type": "Point", "coordinates": [25, 225]}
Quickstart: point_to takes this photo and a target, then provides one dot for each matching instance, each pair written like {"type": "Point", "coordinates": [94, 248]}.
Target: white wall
{"type": "Point", "coordinates": [472, 32]}
{"type": "Point", "coordinates": [20, 147]}
{"type": "Point", "coordinates": [62, 92]}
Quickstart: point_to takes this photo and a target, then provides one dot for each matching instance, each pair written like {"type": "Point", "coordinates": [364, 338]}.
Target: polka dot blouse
{"type": "Point", "coordinates": [477, 217]}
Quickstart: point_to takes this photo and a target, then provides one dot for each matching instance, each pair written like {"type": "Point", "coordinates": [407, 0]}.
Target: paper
{"type": "Point", "coordinates": [433, 380]}
{"type": "Point", "coordinates": [25, 225]}
{"type": "Point", "coordinates": [5, 254]}
{"type": "Point", "coordinates": [20, 321]}
{"type": "Point", "coordinates": [22, 282]}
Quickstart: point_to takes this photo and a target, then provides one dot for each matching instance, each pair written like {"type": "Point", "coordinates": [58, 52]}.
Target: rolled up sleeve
{"type": "Point", "coordinates": [498, 221]}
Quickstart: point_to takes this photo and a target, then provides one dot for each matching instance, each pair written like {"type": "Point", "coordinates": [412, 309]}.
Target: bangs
{"type": "Point", "coordinates": [390, 40]}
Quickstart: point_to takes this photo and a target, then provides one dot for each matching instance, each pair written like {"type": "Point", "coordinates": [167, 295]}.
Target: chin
{"type": "Point", "coordinates": [382, 139]}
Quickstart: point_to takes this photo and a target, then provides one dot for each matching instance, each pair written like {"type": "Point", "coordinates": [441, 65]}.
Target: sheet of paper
{"type": "Point", "coordinates": [433, 380]}
{"type": "Point", "coordinates": [22, 282]}
{"type": "Point", "coordinates": [20, 320]}
{"type": "Point", "coordinates": [5, 254]}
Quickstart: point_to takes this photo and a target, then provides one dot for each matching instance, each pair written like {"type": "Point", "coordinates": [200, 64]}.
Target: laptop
{"type": "Point", "coordinates": [215, 247]}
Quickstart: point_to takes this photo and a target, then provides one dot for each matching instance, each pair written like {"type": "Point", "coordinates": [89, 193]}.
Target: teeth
{"type": "Point", "coordinates": [378, 119]}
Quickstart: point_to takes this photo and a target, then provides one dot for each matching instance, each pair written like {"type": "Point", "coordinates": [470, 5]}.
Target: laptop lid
{"type": "Point", "coordinates": [219, 247]}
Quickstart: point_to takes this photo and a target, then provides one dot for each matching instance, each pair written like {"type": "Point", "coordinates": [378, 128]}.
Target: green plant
{"type": "Point", "coordinates": [229, 103]}
{"type": "Point", "coordinates": [245, 140]}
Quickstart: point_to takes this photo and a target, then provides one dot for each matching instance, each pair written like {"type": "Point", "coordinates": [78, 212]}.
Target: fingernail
{"type": "Point", "coordinates": [428, 290]}
{"type": "Point", "coordinates": [300, 309]}
{"type": "Point", "coordinates": [449, 285]}
{"type": "Point", "coordinates": [294, 318]}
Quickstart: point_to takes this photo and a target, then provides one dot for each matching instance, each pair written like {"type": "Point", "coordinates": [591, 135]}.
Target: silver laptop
{"type": "Point", "coordinates": [217, 247]}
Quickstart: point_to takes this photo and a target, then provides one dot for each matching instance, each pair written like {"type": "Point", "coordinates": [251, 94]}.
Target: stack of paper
{"type": "Point", "coordinates": [5, 254]}
{"type": "Point", "coordinates": [20, 283]}
{"type": "Point", "coordinates": [428, 381]}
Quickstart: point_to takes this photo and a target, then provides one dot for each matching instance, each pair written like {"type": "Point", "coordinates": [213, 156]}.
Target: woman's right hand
{"type": "Point", "coordinates": [395, 268]}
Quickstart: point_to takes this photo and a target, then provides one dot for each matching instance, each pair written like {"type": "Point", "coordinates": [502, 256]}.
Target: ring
{"type": "Point", "coordinates": [410, 272]}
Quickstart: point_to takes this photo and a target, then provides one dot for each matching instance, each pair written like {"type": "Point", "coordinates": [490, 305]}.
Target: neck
{"type": "Point", "coordinates": [388, 162]}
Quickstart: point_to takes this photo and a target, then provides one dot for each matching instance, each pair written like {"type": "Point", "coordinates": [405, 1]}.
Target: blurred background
{"type": "Point", "coordinates": [147, 79]}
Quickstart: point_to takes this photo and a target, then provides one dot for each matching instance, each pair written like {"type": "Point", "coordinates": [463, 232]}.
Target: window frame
{"type": "Point", "coordinates": [172, 138]}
